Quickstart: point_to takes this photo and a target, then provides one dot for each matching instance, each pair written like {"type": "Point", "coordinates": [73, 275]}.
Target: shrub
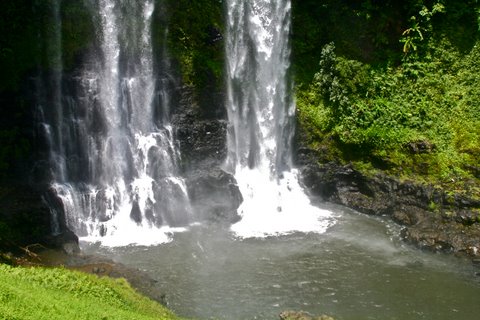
{"type": "Point", "coordinates": [422, 116]}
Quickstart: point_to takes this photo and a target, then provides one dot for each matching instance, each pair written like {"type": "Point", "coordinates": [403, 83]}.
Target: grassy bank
{"type": "Point", "coordinates": [56, 293]}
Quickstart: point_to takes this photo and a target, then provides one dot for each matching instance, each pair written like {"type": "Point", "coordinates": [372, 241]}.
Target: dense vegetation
{"type": "Point", "coordinates": [195, 40]}
{"type": "Point", "coordinates": [407, 100]}
{"type": "Point", "coordinates": [41, 293]}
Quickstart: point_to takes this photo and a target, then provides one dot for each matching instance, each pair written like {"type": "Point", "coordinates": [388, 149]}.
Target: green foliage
{"type": "Point", "coordinates": [200, 57]}
{"type": "Point", "coordinates": [432, 206]}
{"type": "Point", "coordinates": [359, 113]}
{"type": "Point", "coordinates": [371, 31]}
{"type": "Point", "coordinates": [411, 36]}
{"type": "Point", "coordinates": [420, 24]}
{"type": "Point", "coordinates": [420, 119]}
{"type": "Point", "coordinates": [478, 18]}
{"type": "Point", "coordinates": [40, 293]}
{"type": "Point", "coordinates": [367, 31]}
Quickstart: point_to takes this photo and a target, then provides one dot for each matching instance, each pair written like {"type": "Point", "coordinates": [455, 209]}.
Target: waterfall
{"type": "Point", "coordinates": [118, 181]}
{"type": "Point", "coordinates": [261, 115]}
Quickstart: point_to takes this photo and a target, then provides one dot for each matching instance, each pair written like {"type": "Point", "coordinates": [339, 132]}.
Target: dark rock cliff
{"type": "Point", "coordinates": [201, 137]}
{"type": "Point", "coordinates": [431, 218]}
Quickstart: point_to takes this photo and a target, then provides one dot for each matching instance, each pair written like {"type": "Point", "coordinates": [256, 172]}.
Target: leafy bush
{"type": "Point", "coordinates": [422, 117]}
{"type": "Point", "coordinates": [356, 96]}
{"type": "Point", "coordinates": [420, 24]}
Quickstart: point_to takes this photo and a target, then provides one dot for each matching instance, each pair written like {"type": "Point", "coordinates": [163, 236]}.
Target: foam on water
{"type": "Point", "coordinates": [118, 229]}
{"type": "Point", "coordinates": [276, 207]}
{"type": "Point", "coordinates": [123, 233]}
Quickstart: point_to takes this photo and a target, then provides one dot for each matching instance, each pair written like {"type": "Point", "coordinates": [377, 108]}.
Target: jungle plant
{"type": "Point", "coordinates": [413, 36]}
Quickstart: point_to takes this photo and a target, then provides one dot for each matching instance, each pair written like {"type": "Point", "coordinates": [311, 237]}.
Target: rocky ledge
{"type": "Point", "coordinates": [431, 218]}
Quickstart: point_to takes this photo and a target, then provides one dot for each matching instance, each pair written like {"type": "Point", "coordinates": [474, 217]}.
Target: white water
{"type": "Point", "coordinates": [119, 184]}
{"type": "Point", "coordinates": [261, 112]}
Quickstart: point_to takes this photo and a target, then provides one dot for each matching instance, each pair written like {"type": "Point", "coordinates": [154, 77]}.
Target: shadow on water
{"type": "Point", "coordinates": [358, 269]}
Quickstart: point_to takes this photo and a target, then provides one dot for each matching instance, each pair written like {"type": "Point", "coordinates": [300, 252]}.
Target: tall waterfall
{"type": "Point", "coordinates": [261, 113]}
{"type": "Point", "coordinates": [113, 154]}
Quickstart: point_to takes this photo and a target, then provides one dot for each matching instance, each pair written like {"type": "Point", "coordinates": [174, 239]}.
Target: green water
{"type": "Point", "coordinates": [358, 269]}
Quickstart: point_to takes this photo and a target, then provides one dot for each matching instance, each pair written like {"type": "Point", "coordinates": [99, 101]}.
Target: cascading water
{"type": "Point", "coordinates": [119, 181]}
{"type": "Point", "coordinates": [261, 115]}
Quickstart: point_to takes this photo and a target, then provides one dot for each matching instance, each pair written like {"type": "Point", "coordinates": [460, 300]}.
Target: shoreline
{"type": "Point", "coordinates": [431, 218]}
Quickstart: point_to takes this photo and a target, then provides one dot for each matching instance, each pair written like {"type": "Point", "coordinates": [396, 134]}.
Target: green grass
{"type": "Point", "coordinates": [57, 293]}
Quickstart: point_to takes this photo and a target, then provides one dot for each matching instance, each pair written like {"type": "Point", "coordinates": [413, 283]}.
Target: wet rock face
{"type": "Point", "coordinates": [431, 218]}
{"type": "Point", "coordinates": [202, 139]}
{"type": "Point", "coordinates": [439, 235]}
{"type": "Point", "coordinates": [213, 193]}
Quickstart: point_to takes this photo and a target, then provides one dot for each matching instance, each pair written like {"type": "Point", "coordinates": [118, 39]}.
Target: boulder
{"type": "Point", "coordinates": [67, 241]}
{"type": "Point", "coordinates": [202, 139]}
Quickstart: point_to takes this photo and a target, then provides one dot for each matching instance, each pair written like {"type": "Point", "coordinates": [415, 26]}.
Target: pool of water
{"type": "Point", "coordinates": [358, 269]}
